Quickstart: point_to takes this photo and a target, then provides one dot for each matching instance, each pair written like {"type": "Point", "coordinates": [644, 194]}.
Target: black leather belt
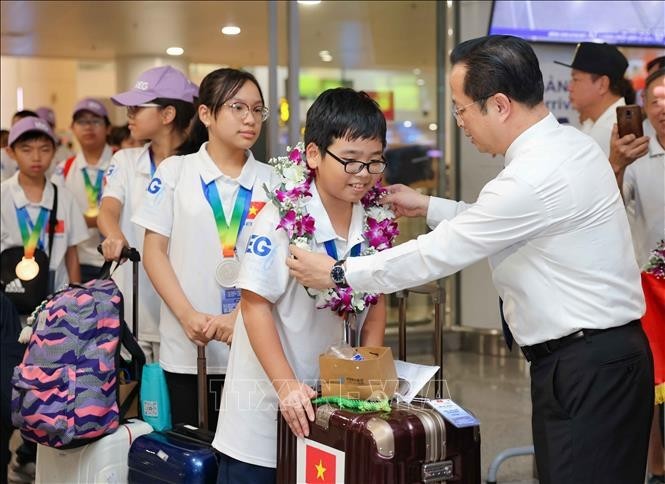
{"type": "Point", "coordinates": [540, 350]}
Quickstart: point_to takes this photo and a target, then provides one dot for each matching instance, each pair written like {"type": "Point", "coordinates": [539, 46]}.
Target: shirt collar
{"type": "Point", "coordinates": [210, 171]}
{"type": "Point", "coordinates": [548, 123]}
{"type": "Point", "coordinates": [655, 149]}
{"type": "Point", "coordinates": [104, 160]}
{"type": "Point", "coordinates": [324, 229]}
{"type": "Point", "coordinates": [144, 160]}
{"type": "Point", "coordinates": [19, 198]}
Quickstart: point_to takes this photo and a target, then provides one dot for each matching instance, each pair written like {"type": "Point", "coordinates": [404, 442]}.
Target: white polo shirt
{"type": "Point", "coordinates": [70, 228]}
{"type": "Point", "coordinates": [175, 206]}
{"type": "Point", "coordinates": [247, 426]}
{"type": "Point", "coordinates": [601, 129]}
{"type": "Point", "coordinates": [127, 179]}
{"type": "Point", "coordinates": [554, 227]}
{"type": "Point", "coordinates": [87, 251]}
{"type": "Point", "coordinates": [8, 165]}
{"type": "Point", "coordinates": [644, 196]}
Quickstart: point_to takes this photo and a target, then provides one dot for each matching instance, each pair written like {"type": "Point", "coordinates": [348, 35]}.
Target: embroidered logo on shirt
{"type": "Point", "coordinates": [259, 245]}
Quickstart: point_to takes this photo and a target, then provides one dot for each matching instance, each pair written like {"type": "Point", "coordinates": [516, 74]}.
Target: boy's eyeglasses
{"type": "Point", "coordinates": [133, 110]}
{"type": "Point", "coordinates": [93, 122]}
{"type": "Point", "coordinates": [240, 111]}
{"type": "Point", "coordinates": [353, 167]}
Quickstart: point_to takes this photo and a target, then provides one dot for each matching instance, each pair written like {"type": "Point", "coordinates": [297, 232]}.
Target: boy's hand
{"type": "Point", "coordinates": [295, 404]}
{"type": "Point", "coordinates": [311, 269]}
{"type": "Point", "coordinates": [406, 201]}
{"type": "Point", "coordinates": [112, 246]}
{"type": "Point", "coordinates": [623, 151]}
{"type": "Point", "coordinates": [195, 323]}
{"type": "Point", "coordinates": [220, 327]}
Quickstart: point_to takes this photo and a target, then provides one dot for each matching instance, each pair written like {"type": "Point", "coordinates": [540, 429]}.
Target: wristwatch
{"type": "Point", "coordinates": [337, 273]}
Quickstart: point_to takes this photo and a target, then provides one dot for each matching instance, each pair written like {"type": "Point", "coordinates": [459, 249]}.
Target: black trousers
{"type": "Point", "coordinates": [592, 406]}
{"type": "Point", "coordinates": [183, 396]}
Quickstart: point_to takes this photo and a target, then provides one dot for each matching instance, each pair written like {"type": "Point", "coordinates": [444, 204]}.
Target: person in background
{"type": "Point", "coordinates": [83, 175]}
{"type": "Point", "coordinates": [4, 136]}
{"type": "Point", "coordinates": [597, 87]}
{"type": "Point", "coordinates": [190, 252]}
{"type": "Point", "coordinates": [8, 165]}
{"type": "Point", "coordinates": [640, 175]}
{"type": "Point", "coordinates": [121, 138]}
{"type": "Point", "coordinates": [556, 233]}
{"type": "Point", "coordinates": [62, 152]}
{"type": "Point", "coordinates": [161, 112]}
{"type": "Point", "coordinates": [26, 198]}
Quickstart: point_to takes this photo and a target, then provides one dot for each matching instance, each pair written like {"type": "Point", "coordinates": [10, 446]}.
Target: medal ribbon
{"type": "Point", "coordinates": [31, 234]}
{"type": "Point", "coordinates": [94, 192]}
{"type": "Point", "coordinates": [228, 232]}
{"type": "Point", "coordinates": [331, 249]}
{"type": "Point", "coordinates": [153, 168]}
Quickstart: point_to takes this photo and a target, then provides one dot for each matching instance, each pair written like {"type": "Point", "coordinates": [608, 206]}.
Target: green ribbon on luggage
{"type": "Point", "coordinates": [355, 404]}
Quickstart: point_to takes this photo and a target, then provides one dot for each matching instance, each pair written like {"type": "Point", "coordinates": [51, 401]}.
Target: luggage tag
{"type": "Point", "coordinates": [453, 413]}
{"type": "Point", "coordinates": [230, 299]}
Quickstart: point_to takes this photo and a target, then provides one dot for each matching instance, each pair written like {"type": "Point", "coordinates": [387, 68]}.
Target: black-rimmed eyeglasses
{"type": "Point", "coordinates": [353, 167]}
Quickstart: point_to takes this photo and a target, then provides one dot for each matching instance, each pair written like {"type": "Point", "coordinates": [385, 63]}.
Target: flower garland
{"type": "Point", "coordinates": [291, 197]}
{"type": "Point", "coordinates": [656, 263]}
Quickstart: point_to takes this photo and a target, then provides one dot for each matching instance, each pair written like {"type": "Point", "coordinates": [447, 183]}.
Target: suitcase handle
{"type": "Point", "coordinates": [202, 377]}
{"type": "Point", "coordinates": [438, 295]}
{"type": "Point", "coordinates": [105, 272]}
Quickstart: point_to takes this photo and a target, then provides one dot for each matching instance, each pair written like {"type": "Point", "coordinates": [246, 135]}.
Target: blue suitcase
{"type": "Point", "coordinates": [183, 455]}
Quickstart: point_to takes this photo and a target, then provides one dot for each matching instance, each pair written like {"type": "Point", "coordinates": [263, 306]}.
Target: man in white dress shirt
{"type": "Point", "coordinates": [554, 228]}
{"type": "Point", "coordinates": [597, 87]}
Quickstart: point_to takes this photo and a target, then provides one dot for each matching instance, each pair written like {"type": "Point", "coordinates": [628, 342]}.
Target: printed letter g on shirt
{"type": "Point", "coordinates": [259, 245]}
{"type": "Point", "coordinates": [154, 186]}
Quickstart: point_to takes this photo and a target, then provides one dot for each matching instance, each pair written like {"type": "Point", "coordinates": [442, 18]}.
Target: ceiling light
{"type": "Point", "coordinates": [309, 2]}
{"type": "Point", "coordinates": [433, 126]}
{"type": "Point", "coordinates": [420, 82]}
{"type": "Point", "coordinates": [175, 51]}
{"type": "Point", "coordinates": [326, 58]}
{"type": "Point", "coordinates": [416, 72]}
{"type": "Point", "coordinates": [231, 30]}
{"type": "Point", "coordinates": [324, 53]}
{"type": "Point", "coordinates": [407, 124]}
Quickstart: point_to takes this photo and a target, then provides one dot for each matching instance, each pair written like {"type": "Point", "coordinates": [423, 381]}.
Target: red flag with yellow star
{"type": "Point", "coordinates": [254, 209]}
{"type": "Point", "coordinates": [319, 466]}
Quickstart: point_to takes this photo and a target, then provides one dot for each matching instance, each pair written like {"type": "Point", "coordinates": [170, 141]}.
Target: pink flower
{"type": "Point", "coordinates": [307, 224]}
{"type": "Point", "coordinates": [295, 155]}
{"type": "Point", "coordinates": [288, 222]}
{"type": "Point", "coordinates": [376, 236]}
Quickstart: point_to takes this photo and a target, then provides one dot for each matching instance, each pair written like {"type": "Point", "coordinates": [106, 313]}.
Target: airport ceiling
{"type": "Point", "coordinates": [358, 34]}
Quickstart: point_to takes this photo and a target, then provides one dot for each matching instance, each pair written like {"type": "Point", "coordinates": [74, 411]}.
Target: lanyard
{"type": "Point", "coordinates": [331, 249]}
{"type": "Point", "coordinates": [30, 234]}
{"type": "Point", "coordinates": [93, 192]}
{"type": "Point", "coordinates": [153, 168]}
{"type": "Point", "coordinates": [228, 232]}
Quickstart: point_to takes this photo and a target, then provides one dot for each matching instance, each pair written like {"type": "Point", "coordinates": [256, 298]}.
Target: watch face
{"type": "Point", "coordinates": [337, 274]}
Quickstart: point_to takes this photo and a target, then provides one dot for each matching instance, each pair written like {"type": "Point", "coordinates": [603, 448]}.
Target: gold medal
{"type": "Point", "coordinates": [227, 272]}
{"type": "Point", "coordinates": [92, 212]}
{"type": "Point", "coordinates": [27, 269]}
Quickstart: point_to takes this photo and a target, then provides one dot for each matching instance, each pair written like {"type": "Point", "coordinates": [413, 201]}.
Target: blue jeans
{"type": "Point", "coordinates": [233, 471]}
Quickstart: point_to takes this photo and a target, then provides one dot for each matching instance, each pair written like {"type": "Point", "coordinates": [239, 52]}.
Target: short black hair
{"type": "Point", "coordinates": [25, 113]}
{"type": "Point", "coordinates": [343, 113]}
{"type": "Point", "coordinates": [500, 64]}
{"type": "Point", "coordinates": [118, 134]}
{"type": "Point", "coordinates": [32, 136]}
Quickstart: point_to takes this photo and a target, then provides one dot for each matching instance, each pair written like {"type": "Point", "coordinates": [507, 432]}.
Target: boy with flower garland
{"type": "Point", "coordinates": [283, 330]}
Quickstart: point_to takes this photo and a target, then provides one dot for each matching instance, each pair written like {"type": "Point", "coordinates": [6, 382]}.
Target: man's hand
{"type": "Point", "coordinates": [294, 402]}
{"type": "Point", "coordinates": [221, 326]}
{"type": "Point", "coordinates": [623, 151]}
{"type": "Point", "coordinates": [311, 269]}
{"type": "Point", "coordinates": [406, 201]}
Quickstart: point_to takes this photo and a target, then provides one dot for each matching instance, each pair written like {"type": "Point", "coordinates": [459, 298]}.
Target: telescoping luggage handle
{"type": "Point", "coordinates": [438, 296]}
{"type": "Point", "coordinates": [105, 273]}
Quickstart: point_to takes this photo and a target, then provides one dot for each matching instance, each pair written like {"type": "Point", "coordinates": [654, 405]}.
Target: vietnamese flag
{"type": "Point", "coordinates": [59, 227]}
{"type": "Point", "coordinates": [653, 323]}
{"type": "Point", "coordinates": [254, 209]}
{"type": "Point", "coordinates": [320, 466]}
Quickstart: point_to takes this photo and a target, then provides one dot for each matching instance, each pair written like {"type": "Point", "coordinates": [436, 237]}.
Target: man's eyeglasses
{"type": "Point", "coordinates": [93, 122]}
{"type": "Point", "coordinates": [240, 111]}
{"type": "Point", "coordinates": [133, 110]}
{"type": "Point", "coordinates": [353, 167]}
{"type": "Point", "coordinates": [457, 112]}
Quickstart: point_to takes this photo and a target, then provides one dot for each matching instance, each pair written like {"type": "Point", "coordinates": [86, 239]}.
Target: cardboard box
{"type": "Point", "coordinates": [124, 389]}
{"type": "Point", "coordinates": [363, 379]}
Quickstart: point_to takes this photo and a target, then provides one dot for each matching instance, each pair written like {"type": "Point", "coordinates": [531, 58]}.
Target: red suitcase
{"type": "Point", "coordinates": [411, 444]}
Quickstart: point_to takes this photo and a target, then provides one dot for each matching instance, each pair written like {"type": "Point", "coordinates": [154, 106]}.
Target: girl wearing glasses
{"type": "Point", "coordinates": [160, 107]}
{"type": "Point", "coordinates": [197, 212]}
{"type": "Point", "coordinates": [83, 175]}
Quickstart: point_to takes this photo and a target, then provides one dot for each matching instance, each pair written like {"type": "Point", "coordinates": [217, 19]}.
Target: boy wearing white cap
{"type": "Point", "coordinates": [83, 175]}
{"type": "Point", "coordinates": [159, 108]}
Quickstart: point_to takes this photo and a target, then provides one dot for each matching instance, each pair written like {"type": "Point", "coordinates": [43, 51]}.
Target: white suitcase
{"type": "Point", "coordinates": [103, 461]}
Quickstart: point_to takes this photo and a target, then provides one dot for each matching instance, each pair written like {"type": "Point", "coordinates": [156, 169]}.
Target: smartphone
{"type": "Point", "coordinates": [629, 120]}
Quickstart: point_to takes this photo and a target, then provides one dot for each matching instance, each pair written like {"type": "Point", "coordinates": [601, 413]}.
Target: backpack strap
{"type": "Point", "coordinates": [68, 166]}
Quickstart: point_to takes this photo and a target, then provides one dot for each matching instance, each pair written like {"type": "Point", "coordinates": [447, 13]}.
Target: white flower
{"type": "Point", "coordinates": [293, 175]}
{"type": "Point", "coordinates": [358, 301]}
{"type": "Point", "coordinates": [379, 213]}
{"type": "Point", "coordinates": [302, 243]}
